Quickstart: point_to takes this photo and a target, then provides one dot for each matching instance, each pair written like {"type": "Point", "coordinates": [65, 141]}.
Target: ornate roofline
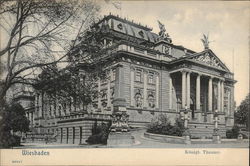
{"type": "Point", "coordinates": [124, 20]}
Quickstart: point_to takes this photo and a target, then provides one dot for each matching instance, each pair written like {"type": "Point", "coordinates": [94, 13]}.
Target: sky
{"type": "Point", "coordinates": [227, 24]}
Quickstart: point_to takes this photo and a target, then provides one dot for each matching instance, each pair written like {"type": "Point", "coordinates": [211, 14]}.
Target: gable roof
{"type": "Point", "coordinates": [209, 58]}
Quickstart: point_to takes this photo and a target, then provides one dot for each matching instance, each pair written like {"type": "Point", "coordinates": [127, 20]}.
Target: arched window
{"type": "Point", "coordinates": [151, 101]}
{"type": "Point", "coordinates": [138, 99]}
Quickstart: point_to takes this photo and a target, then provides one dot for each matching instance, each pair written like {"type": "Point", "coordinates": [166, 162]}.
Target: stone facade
{"type": "Point", "coordinates": [154, 76]}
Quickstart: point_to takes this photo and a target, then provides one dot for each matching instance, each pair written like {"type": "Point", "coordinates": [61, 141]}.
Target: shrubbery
{"type": "Point", "coordinates": [13, 120]}
{"type": "Point", "coordinates": [162, 125]}
{"type": "Point", "coordinates": [99, 133]}
{"type": "Point", "coordinates": [233, 133]}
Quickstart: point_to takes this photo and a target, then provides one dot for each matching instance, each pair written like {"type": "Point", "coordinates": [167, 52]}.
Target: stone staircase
{"type": "Point", "coordinates": [205, 130]}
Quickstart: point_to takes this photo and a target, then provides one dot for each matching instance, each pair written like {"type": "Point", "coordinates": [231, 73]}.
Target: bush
{"type": "Point", "coordinates": [8, 140]}
{"type": "Point", "coordinates": [13, 120]}
{"type": "Point", "coordinates": [233, 133]}
{"type": "Point", "coordinates": [99, 134]}
{"type": "Point", "coordinates": [162, 125]}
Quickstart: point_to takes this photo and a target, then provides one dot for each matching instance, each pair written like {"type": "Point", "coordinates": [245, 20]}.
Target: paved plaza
{"type": "Point", "coordinates": [142, 142]}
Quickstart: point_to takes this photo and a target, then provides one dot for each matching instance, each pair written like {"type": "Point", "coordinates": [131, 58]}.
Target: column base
{"type": "Point", "coordinates": [216, 139]}
{"type": "Point", "coordinates": [210, 116]}
{"type": "Point", "coordinates": [120, 139]}
{"type": "Point", "coordinates": [240, 137]}
{"type": "Point", "coordinates": [187, 139]}
{"type": "Point", "coordinates": [198, 116]}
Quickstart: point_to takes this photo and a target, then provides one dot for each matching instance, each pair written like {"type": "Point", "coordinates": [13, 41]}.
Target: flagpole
{"type": "Point", "coordinates": [233, 61]}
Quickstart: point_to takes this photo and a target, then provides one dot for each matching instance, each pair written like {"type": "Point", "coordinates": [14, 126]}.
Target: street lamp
{"type": "Point", "coordinates": [186, 133]}
{"type": "Point", "coordinates": [216, 135]}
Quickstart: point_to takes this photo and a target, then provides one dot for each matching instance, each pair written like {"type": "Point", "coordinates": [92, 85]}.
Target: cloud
{"type": "Point", "coordinates": [226, 22]}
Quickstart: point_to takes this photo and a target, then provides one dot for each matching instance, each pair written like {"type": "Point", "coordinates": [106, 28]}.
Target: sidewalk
{"type": "Point", "coordinates": [142, 142]}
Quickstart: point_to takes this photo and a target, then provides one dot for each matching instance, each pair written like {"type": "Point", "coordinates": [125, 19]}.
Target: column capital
{"type": "Point", "coordinates": [222, 79]}
{"type": "Point", "coordinates": [211, 77]}
{"type": "Point", "coordinates": [198, 73]}
{"type": "Point", "coordinates": [157, 73]}
{"type": "Point", "coordinates": [145, 71]}
{"type": "Point", "coordinates": [132, 68]}
{"type": "Point", "coordinates": [183, 71]}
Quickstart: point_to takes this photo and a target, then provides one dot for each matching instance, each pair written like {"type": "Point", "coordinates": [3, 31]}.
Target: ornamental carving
{"type": "Point", "coordinates": [151, 99]}
{"type": "Point", "coordinates": [138, 98]}
{"type": "Point", "coordinates": [209, 60]}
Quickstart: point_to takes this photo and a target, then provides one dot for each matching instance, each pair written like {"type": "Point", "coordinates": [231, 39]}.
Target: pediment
{"type": "Point", "coordinates": [210, 59]}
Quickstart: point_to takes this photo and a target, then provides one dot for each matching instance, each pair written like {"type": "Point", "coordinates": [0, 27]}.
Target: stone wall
{"type": "Point", "coordinates": [75, 132]}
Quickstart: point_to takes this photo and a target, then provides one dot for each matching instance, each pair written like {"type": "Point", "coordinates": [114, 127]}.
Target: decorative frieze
{"type": "Point", "coordinates": [208, 59]}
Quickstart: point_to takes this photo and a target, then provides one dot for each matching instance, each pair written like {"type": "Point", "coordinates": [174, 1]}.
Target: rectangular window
{"type": "Point", "coordinates": [138, 76]}
{"type": "Point", "coordinates": [151, 78]}
{"type": "Point", "coordinates": [113, 75]}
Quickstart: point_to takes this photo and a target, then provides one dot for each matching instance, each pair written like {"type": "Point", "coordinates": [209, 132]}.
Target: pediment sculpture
{"type": "Point", "coordinates": [209, 60]}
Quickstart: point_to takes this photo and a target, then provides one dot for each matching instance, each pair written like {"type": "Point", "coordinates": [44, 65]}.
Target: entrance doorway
{"type": "Point", "coordinates": [192, 108]}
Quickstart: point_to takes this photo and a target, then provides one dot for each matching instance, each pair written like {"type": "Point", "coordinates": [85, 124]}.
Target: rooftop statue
{"type": "Point", "coordinates": [163, 34]}
{"type": "Point", "coordinates": [205, 41]}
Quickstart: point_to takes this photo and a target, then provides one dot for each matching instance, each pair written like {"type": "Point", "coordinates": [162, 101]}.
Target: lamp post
{"type": "Point", "coordinates": [186, 133]}
{"type": "Point", "coordinates": [120, 135]}
{"type": "Point", "coordinates": [216, 135]}
{"type": "Point", "coordinates": [119, 117]}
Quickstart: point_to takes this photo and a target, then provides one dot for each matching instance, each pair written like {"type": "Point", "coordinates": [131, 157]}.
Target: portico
{"type": "Point", "coordinates": [200, 92]}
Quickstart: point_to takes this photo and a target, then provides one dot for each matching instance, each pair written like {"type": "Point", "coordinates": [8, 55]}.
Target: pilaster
{"type": "Point", "coordinates": [109, 91]}
{"type": "Point", "coordinates": [219, 97]}
{"type": "Point", "coordinates": [157, 92]}
{"type": "Point", "coordinates": [132, 82]}
{"type": "Point", "coordinates": [198, 95]}
{"type": "Point", "coordinates": [210, 94]}
{"type": "Point", "coordinates": [188, 90]}
{"type": "Point", "coordinates": [145, 87]}
{"type": "Point", "coordinates": [222, 96]}
{"type": "Point", "coordinates": [99, 96]}
{"type": "Point", "coordinates": [170, 92]}
{"type": "Point", "coordinates": [183, 89]}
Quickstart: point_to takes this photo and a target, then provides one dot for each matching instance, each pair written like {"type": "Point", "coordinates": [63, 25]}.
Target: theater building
{"type": "Point", "coordinates": [154, 77]}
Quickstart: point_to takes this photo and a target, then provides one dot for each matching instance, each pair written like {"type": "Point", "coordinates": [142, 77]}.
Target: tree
{"type": "Point", "coordinates": [77, 81]}
{"type": "Point", "coordinates": [242, 114]}
{"type": "Point", "coordinates": [13, 120]}
{"type": "Point", "coordinates": [38, 33]}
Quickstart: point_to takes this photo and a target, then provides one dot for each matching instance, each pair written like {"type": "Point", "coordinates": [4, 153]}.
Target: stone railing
{"type": "Point", "coordinates": [86, 116]}
{"type": "Point", "coordinates": [165, 138]}
{"type": "Point", "coordinates": [141, 51]}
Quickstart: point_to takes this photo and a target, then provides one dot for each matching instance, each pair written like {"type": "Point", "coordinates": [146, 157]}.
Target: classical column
{"type": "Point", "coordinates": [210, 94]}
{"type": "Point", "coordinates": [30, 118]}
{"type": "Point", "coordinates": [40, 105]}
{"type": "Point", "coordinates": [67, 108]}
{"type": "Point", "coordinates": [157, 91]}
{"type": "Point", "coordinates": [222, 96]}
{"type": "Point", "coordinates": [232, 106]}
{"type": "Point", "coordinates": [132, 77]}
{"type": "Point", "coordinates": [188, 90]}
{"type": "Point", "coordinates": [33, 118]}
{"type": "Point", "coordinates": [183, 89]}
{"type": "Point", "coordinates": [145, 101]}
{"type": "Point", "coordinates": [36, 105]}
{"type": "Point", "coordinates": [219, 97]}
{"type": "Point", "coordinates": [72, 104]}
{"type": "Point", "coordinates": [99, 96]}
{"type": "Point", "coordinates": [109, 92]}
{"type": "Point", "coordinates": [228, 103]}
{"type": "Point", "coordinates": [119, 82]}
{"type": "Point", "coordinates": [170, 92]}
{"type": "Point", "coordinates": [198, 89]}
